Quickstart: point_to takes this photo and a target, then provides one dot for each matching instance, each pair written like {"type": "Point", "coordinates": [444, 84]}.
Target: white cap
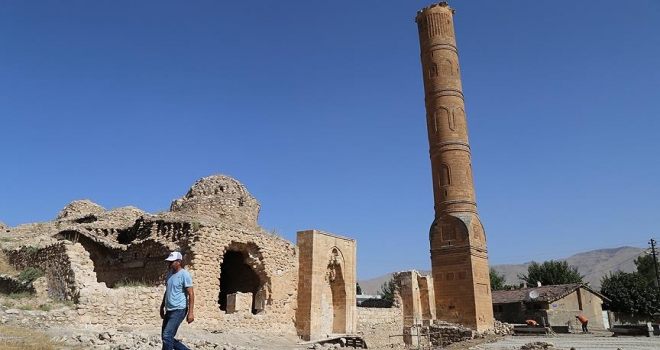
{"type": "Point", "coordinates": [174, 256]}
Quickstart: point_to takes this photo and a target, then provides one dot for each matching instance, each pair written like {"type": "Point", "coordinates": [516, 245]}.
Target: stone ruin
{"type": "Point", "coordinates": [110, 265]}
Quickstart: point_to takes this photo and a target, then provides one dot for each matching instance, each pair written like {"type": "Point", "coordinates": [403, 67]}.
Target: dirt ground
{"type": "Point", "coordinates": [601, 340]}
{"type": "Point", "coordinates": [149, 339]}
{"type": "Point", "coordinates": [237, 340]}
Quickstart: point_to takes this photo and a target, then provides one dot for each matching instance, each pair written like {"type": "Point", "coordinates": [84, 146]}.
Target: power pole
{"type": "Point", "coordinates": [652, 242]}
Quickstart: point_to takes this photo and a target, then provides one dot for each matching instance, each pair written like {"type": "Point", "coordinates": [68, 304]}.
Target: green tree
{"type": "Point", "coordinates": [630, 293]}
{"type": "Point", "coordinates": [358, 289]}
{"type": "Point", "coordinates": [387, 290]}
{"type": "Point", "coordinates": [645, 267]}
{"type": "Point", "coordinates": [496, 280]}
{"type": "Point", "coordinates": [551, 273]}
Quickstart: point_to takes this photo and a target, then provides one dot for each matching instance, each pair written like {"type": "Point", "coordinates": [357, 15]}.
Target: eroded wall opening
{"type": "Point", "coordinates": [138, 265]}
{"type": "Point", "coordinates": [242, 271]}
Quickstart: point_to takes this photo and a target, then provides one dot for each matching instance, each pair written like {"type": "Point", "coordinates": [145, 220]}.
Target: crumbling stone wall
{"type": "Point", "coordinates": [88, 253]}
{"type": "Point", "coordinates": [416, 297]}
{"type": "Point", "coordinates": [139, 263]}
{"type": "Point", "coordinates": [55, 264]}
{"type": "Point", "coordinates": [10, 285]}
{"type": "Point", "coordinates": [99, 307]}
{"type": "Point", "coordinates": [273, 261]}
{"type": "Point", "coordinates": [439, 335]}
{"type": "Point", "coordinates": [274, 258]}
{"type": "Point", "coordinates": [445, 334]}
{"type": "Point", "coordinates": [380, 327]}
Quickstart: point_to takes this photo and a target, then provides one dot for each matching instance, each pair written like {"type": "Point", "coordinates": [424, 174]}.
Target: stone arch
{"type": "Point", "coordinates": [242, 270]}
{"type": "Point", "coordinates": [336, 310]}
{"type": "Point", "coordinates": [449, 230]}
{"type": "Point", "coordinates": [444, 177]}
{"type": "Point", "coordinates": [458, 114]}
{"type": "Point", "coordinates": [477, 232]}
{"type": "Point", "coordinates": [446, 68]}
{"type": "Point", "coordinates": [468, 174]}
{"type": "Point", "coordinates": [441, 114]}
{"type": "Point", "coordinates": [433, 70]}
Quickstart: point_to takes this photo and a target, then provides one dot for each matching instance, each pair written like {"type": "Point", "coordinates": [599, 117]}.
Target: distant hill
{"type": "Point", "coordinates": [593, 265]}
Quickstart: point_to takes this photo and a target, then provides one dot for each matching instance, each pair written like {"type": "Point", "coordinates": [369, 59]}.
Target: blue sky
{"type": "Point", "coordinates": [318, 108]}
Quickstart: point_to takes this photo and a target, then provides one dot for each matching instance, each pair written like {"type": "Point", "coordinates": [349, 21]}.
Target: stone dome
{"type": "Point", "coordinates": [219, 197]}
{"type": "Point", "coordinates": [80, 208]}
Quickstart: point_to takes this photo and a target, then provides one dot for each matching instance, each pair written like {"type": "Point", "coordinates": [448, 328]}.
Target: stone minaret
{"type": "Point", "coordinates": [459, 259]}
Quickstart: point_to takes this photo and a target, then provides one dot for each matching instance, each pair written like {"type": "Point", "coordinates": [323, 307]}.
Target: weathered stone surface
{"type": "Point", "coordinates": [110, 263]}
{"type": "Point", "coordinates": [459, 259]}
{"type": "Point", "coordinates": [380, 327]}
{"type": "Point", "coordinates": [327, 279]}
{"type": "Point", "coordinates": [219, 197]}
{"type": "Point", "coordinates": [537, 345]}
{"type": "Point", "coordinates": [124, 215]}
{"type": "Point", "coordinates": [78, 208]}
{"type": "Point", "coordinates": [3, 226]}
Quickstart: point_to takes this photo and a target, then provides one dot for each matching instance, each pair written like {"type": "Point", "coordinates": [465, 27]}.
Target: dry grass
{"type": "Point", "coordinates": [21, 338]}
{"type": "Point", "coordinates": [5, 268]}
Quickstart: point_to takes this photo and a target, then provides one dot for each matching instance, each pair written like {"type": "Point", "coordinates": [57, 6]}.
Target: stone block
{"type": "Point", "coordinates": [239, 302]}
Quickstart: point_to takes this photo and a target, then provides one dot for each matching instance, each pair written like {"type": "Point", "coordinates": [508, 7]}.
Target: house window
{"type": "Point", "coordinates": [498, 308]}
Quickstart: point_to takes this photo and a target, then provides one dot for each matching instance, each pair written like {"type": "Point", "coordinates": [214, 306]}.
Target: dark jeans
{"type": "Point", "coordinates": [171, 324]}
{"type": "Point", "coordinates": [584, 327]}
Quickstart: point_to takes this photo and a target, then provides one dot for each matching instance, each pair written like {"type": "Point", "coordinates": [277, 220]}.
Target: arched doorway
{"type": "Point", "coordinates": [242, 271]}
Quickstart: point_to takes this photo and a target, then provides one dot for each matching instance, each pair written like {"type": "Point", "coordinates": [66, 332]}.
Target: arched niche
{"type": "Point", "coordinates": [337, 286]}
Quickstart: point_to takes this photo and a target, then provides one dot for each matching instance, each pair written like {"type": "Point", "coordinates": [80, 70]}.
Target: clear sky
{"type": "Point", "coordinates": [318, 108]}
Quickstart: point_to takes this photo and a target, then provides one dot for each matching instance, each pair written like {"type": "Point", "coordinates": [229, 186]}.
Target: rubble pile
{"type": "Point", "coordinates": [502, 328]}
{"type": "Point", "coordinates": [443, 333]}
{"type": "Point", "coordinates": [537, 345]}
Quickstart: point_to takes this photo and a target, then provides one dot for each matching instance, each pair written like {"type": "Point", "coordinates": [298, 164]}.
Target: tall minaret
{"type": "Point", "coordinates": [459, 259]}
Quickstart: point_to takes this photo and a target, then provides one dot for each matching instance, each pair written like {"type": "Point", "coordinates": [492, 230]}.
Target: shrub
{"type": "Point", "coordinates": [31, 250]}
{"type": "Point", "coordinates": [30, 274]}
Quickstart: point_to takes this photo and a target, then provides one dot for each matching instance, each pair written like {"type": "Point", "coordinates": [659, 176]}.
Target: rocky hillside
{"type": "Point", "coordinates": [593, 265]}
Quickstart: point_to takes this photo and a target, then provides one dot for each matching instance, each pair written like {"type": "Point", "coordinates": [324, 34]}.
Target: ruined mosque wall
{"type": "Point", "coordinates": [272, 259]}
{"type": "Point", "coordinates": [111, 263]}
{"type": "Point", "coordinates": [55, 264]}
{"type": "Point", "coordinates": [380, 327]}
{"type": "Point", "coordinates": [101, 306]}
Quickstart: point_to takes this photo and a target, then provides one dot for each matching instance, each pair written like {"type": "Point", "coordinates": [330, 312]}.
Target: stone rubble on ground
{"type": "Point", "coordinates": [537, 345]}
{"type": "Point", "coordinates": [501, 328]}
{"type": "Point", "coordinates": [120, 339]}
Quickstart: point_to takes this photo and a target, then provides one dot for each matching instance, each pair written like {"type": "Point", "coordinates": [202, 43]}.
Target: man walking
{"type": "Point", "coordinates": [178, 302]}
{"type": "Point", "coordinates": [584, 322]}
